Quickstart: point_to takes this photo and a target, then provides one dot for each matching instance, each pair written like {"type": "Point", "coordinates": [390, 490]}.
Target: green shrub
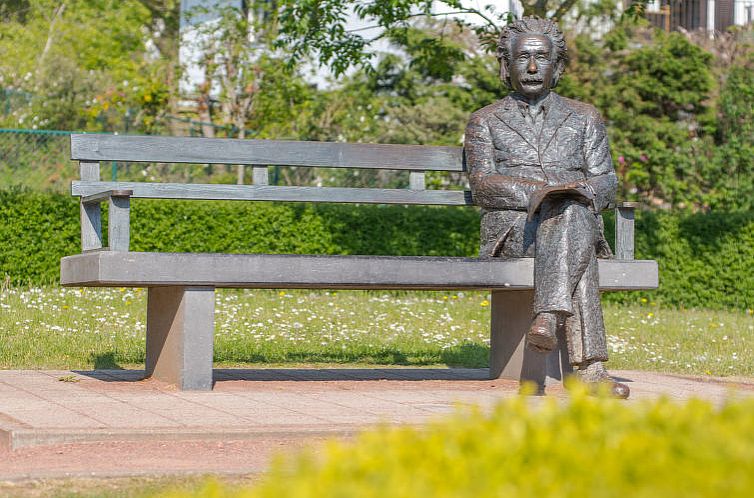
{"type": "Point", "coordinates": [297, 228]}
{"type": "Point", "coordinates": [36, 230]}
{"type": "Point", "coordinates": [587, 447]}
{"type": "Point", "coordinates": [706, 260]}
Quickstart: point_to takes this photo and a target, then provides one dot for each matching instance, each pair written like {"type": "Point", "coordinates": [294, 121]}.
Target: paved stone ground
{"type": "Point", "coordinates": [112, 423]}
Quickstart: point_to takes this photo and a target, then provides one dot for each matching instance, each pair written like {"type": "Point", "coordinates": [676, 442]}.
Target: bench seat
{"type": "Point", "coordinates": [288, 271]}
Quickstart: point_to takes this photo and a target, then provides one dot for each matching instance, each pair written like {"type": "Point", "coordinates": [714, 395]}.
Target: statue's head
{"type": "Point", "coordinates": [532, 54]}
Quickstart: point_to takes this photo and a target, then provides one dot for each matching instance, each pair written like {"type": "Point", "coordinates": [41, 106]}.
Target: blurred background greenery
{"type": "Point", "coordinates": [679, 106]}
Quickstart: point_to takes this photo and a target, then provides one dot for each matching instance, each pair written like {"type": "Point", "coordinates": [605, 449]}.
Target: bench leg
{"type": "Point", "coordinates": [180, 334]}
{"type": "Point", "coordinates": [511, 316]}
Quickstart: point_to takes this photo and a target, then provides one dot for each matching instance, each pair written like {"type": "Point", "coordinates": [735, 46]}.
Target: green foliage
{"type": "Point", "coordinates": [586, 447]}
{"type": "Point", "coordinates": [706, 260]}
{"type": "Point", "coordinates": [679, 119]}
{"type": "Point", "coordinates": [39, 160]}
{"type": "Point", "coordinates": [434, 57]}
{"type": "Point", "coordinates": [653, 90]}
{"type": "Point", "coordinates": [733, 180]}
{"type": "Point", "coordinates": [36, 229]}
{"type": "Point", "coordinates": [302, 228]}
{"type": "Point", "coordinates": [233, 51]}
{"type": "Point", "coordinates": [318, 27]}
{"type": "Point", "coordinates": [83, 63]}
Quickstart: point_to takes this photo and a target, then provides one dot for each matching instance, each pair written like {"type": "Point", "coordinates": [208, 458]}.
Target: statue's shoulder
{"type": "Point", "coordinates": [483, 115]}
{"type": "Point", "coordinates": [586, 111]}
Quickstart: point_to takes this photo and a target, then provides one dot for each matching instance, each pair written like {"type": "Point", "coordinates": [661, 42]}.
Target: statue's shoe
{"type": "Point", "coordinates": [596, 377]}
{"type": "Point", "coordinates": [541, 336]}
{"type": "Point", "coordinates": [619, 390]}
{"type": "Point", "coordinates": [614, 388]}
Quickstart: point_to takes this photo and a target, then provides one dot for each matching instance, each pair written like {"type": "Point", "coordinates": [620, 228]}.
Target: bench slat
{"type": "Point", "coordinates": [263, 152]}
{"type": "Point", "coordinates": [260, 271]}
{"type": "Point", "coordinates": [273, 193]}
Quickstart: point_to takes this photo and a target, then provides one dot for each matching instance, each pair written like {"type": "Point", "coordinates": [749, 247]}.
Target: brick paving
{"type": "Point", "coordinates": [256, 409]}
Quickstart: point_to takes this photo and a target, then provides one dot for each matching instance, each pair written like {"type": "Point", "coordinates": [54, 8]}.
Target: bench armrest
{"type": "Point", "coordinates": [105, 196]}
{"type": "Point", "coordinates": [624, 230]}
{"type": "Point", "coordinates": [118, 227]}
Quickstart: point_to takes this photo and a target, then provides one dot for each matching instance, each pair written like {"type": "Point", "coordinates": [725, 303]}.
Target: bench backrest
{"type": "Point", "coordinates": [90, 150]}
{"type": "Point", "coordinates": [417, 159]}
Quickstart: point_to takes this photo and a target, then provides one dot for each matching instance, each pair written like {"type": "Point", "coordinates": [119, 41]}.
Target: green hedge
{"type": "Point", "coordinates": [588, 447]}
{"type": "Point", "coordinates": [706, 260]}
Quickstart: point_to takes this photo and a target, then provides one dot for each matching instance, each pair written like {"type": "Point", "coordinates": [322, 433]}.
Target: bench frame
{"type": "Point", "coordinates": [180, 302]}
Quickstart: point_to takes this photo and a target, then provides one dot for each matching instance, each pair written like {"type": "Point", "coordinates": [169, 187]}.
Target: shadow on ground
{"type": "Point", "coordinates": [308, 374]}
{"type": "Point", "coordinates": [105, 361]}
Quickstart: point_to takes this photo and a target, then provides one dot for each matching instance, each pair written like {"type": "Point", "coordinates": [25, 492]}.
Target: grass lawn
{"type": "Point", "coordinates": [53, 327]}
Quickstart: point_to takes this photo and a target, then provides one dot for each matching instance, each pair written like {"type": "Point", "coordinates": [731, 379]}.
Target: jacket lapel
{"type": "Point", "coordinates": [556, 116]}
{"type": "Point", "coordinates": [511, 117]}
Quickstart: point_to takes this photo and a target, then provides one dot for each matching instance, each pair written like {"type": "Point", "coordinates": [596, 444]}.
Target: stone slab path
{"type": "Point", "coordinates": [112, 422]}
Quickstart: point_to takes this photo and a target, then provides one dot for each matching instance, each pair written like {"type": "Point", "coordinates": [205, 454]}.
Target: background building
{"type": "Point", "coordinates": [710, 15]}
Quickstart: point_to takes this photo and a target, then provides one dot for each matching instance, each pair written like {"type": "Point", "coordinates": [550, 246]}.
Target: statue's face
{"type": "Point", "coordinates": [532, 65]}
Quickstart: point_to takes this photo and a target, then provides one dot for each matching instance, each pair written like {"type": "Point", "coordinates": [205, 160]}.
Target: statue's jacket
{"type": "Point", "coordinates": [507, 161]}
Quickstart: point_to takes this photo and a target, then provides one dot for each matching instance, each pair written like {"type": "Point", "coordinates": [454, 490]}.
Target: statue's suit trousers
{"type": "Point", "coordinates": [566, 280]}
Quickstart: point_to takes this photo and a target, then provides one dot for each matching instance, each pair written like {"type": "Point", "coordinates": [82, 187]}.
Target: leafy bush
{"type": "Point", "coordinates": [733, 180]}
{"type": "Point", "coordinates": [586, 447]}
{"type": "Point", "coordinates": [706, 260]}
{"type": "Point", "coordinates": [679, 118]}
{"type": "Point", "coordinates": [36, 230]}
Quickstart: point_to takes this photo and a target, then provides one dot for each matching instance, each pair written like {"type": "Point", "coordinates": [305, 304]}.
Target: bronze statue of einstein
{"type": "Point", "coordinates": [540, 168]}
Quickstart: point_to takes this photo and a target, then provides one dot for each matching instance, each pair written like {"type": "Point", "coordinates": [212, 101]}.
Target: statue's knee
{"type": "Point", "coordinates": [578, 213]}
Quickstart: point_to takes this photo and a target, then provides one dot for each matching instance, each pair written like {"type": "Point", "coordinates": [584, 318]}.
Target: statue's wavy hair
{"type": "Point", "coordinates": [535, 26]}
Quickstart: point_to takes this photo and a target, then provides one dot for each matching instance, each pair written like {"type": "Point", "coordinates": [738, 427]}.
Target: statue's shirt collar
{"type": "Point", "coordinates": [525, 109]}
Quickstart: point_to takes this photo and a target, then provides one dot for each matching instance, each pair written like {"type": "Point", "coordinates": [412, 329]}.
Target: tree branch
{"type": "Point", "coordinates": [563, 8]}
{"type": "Point", "coordinates": [432, 14]}
{"type": "Point", "coordinates": [50, 35]}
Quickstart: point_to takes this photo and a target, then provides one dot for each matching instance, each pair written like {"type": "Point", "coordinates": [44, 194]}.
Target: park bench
{"type": "Point", "coordinates": [180, 297]}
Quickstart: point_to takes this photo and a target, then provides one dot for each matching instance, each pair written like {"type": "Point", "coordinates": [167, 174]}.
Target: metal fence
{"type": "Point", "coordinates": [35, 159]}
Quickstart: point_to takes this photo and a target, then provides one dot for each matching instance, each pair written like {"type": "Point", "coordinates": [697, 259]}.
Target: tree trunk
{"type": "Point", "coordinates": [166, 34]}
{"type": "Point", "coordinates": [50, 35]}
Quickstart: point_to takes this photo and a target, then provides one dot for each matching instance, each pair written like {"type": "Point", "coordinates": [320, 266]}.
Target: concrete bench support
{"type": "Point", "coordinates": [180, 334]}
{"type": "Point", "coordinates": [511, 315]}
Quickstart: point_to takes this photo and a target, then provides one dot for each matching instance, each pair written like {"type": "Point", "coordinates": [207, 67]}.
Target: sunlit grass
{"type": "Point", "coordinates": [52, 327]}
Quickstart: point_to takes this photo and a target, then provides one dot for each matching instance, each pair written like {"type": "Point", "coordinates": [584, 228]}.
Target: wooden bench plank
{"type": "Point", "coordinates": [259, 271]}
{"type": "Point", "coordinates": [263, 152]}
{"type": "Point", "coordinates": [274, 193]}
